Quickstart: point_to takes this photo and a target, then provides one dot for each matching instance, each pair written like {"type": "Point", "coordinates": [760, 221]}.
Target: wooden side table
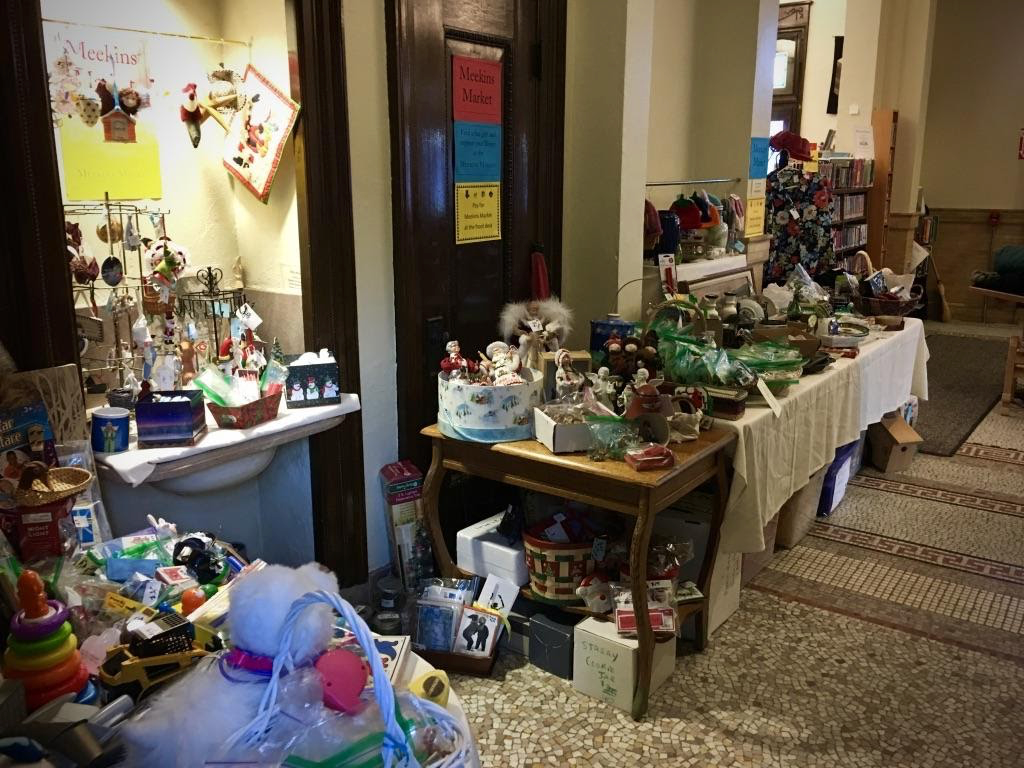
{"type": "Point", "coordinates": [611, 485]}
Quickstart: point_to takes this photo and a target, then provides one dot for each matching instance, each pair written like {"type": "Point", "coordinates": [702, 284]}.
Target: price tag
{"type": "Point", "coordinates": [600, 549]}
{"type": "Point", "coordinates": [535, 325]}
{"type": "Point", "coordinates": [247, 315]}
{"type": "Point", "coordinates": [556, 533]}
{"type": "Point", "coordinates": [769, 398]}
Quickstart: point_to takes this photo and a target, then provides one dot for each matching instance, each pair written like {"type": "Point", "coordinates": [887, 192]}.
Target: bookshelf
{"type": "Point", "coordinates": [851, 180]}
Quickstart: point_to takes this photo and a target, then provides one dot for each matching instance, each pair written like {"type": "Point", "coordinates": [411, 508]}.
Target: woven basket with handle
{"type": "Point", "coordinates": [556, 569]}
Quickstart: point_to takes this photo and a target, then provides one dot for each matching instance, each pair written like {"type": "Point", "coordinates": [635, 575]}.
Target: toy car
{"type": "Point", "coordinates": [125, 673]}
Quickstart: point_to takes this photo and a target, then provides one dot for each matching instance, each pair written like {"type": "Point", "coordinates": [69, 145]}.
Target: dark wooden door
{"type": "Point", "coordinates": [442, 290]}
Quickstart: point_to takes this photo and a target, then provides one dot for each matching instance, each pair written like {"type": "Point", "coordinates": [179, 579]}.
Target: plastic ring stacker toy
{"type": "Point", "coordinates": [34, 630]}
{"type": "Point", "coordinates": [35, 699]}
{"type": "Point", "coordinates": [47, 678]}
{"type": "Point", "coordinates": [44, 661]}
{"type": "Point", "coordinates": [38, 647]}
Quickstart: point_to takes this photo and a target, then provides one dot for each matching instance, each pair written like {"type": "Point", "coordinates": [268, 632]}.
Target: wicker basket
{"type": "Point", "coordinates": [869, 306]}
{"type": "Point", "coordinates": [556, 569]}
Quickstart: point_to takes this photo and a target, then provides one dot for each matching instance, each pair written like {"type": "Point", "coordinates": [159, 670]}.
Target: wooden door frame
{"type": "Point", "coordinates": [402, 17]}
{"type": "Point", "coordinates": [35, 295]}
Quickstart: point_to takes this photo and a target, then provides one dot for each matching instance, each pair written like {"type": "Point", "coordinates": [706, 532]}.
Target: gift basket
{"type": "Point", "coordinates": [889, 303]}
{"type": "Point", "coordinates": [559, 554]}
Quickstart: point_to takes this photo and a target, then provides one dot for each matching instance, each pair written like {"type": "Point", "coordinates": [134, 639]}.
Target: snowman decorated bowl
{"type": "Point", "coordinates": [485, 414]}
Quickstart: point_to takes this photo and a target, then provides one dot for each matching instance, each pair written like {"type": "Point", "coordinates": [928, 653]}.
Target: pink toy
{"type": "Point", "coordinates": [344, 676]}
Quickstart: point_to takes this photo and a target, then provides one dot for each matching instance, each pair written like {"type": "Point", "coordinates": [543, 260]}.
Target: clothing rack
{"type": "Point", "coordinates": [180, 36]}
{"type": "Point", "coordinates": [692, 182]}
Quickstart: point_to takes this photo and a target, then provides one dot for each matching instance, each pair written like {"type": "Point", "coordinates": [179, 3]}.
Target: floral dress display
{"type": "Point", "coordinates": [798, 216]}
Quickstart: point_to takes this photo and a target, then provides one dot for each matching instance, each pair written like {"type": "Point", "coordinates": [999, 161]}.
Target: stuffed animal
{"type": "Point", "coordinates": [192, 720]}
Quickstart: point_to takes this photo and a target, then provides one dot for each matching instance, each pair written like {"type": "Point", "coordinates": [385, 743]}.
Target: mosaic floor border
{"type": "Point", "coordinates": [960, 498]}
{"type": "Point", "coordinates": [992, 453]}
{"type": "Point", "coordinates": [993, 569]}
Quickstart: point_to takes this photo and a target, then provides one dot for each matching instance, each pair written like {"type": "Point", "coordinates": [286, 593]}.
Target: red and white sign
{"type": "Point", "coordinates": [476, 90]}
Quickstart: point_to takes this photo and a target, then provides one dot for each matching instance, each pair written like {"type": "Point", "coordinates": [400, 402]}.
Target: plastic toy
{"type": "Point", "coordinates": [125, 674]}
{"type": "Point", "coordinates": [42, 649]}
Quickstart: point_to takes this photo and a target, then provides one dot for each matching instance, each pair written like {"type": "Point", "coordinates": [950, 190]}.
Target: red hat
{"type": "Point", "coordinates": [798, 147]}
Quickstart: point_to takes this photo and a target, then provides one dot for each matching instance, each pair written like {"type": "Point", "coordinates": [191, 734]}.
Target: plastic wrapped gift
{"type": "Point", "coordinates": [488, 414]}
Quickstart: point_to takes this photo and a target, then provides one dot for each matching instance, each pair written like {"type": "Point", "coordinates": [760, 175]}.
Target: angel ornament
{"type": "Point", "coordinates": [602, 384]}
{"type": "Point", "coordinates": [539, 326]}
{"type": "Point", "coordinates": [567, 379]}
{"type": "Point", "coordinates": [503, 364]}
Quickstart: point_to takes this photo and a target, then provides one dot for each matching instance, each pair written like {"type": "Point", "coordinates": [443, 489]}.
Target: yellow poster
{"type": "Point", "coordinates": [477, 212]}
{"type": "Point", "coordinates": [755, 217]}
{"type": "Point", "coordinates": [128, 170]}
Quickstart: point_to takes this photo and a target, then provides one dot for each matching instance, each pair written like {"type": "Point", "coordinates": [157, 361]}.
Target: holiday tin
{"type": "Point", "coordinates": [486, 414]}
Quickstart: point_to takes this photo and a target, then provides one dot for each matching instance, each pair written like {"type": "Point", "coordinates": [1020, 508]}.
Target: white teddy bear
{"type": "Point", "coordinates": [193, 719]}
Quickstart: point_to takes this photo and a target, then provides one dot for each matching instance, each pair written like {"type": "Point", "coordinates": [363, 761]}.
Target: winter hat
{"type": "Point", "coordinates": [797, 146]}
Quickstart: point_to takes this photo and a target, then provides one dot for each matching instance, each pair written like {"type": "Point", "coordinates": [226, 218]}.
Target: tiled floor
{"type": "Point", "coordinates": [892, 636]}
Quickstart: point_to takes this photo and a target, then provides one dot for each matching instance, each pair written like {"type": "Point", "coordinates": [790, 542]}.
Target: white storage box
{"type": "Point", "coordinates": [604, 665]}
{"type": "Point", "coordinates": [481, 550]}
{"type": "Point", "coordinates": [560, 438]}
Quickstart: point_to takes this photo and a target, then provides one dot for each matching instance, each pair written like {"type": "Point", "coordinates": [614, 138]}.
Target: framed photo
{"type": "Point", "coordinates": [478, 632]}
{"type": "Point", "coordinates": [253, 146]}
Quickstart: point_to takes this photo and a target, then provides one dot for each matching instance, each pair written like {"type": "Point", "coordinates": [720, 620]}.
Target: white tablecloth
{"type": "Point", "coordinates": [136, 464]}
{"type": "Point", "coordinates": [775, 457]}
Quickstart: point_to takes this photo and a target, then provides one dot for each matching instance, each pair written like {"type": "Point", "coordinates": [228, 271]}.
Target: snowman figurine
{"type": "Point", "coordinates": [312, 390]}
{"type": "Point", "coordinates": [330, 388]}
{"type": "Point", "coordinates": [296, 393]}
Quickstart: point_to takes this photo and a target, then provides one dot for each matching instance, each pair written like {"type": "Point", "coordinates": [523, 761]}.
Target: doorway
{"type": "Point", "coordinates": [450, 283]}
{"type": "Point", "coordinates": [37, 297]}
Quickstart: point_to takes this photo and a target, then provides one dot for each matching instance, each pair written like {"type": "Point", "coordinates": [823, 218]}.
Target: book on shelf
{"type": "Point", "coordinates": [847, 172]}
{"type": "Point", "coordinates": [849, 236]}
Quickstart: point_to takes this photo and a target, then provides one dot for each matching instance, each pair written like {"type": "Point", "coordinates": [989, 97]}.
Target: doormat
{"type": "Point", "coordinates": [965, 379]}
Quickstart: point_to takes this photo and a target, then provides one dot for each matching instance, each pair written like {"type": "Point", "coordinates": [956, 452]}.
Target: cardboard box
{"type": "Point", "coordinates": [312, 384]}
{"type": "Point", "coordinates": [604, 665]}
{"type": "Point", "coordinates": [894, 443]}
{"type": "Point", "coordinates": [836, 479]}
{"type": "Point", "coordinates": [550, 646]}
{"type": "Point", "coordinates": [481, 550]}
{"type": "Point", "coordinates": [170, 423]}
{"type": "Point", "coordinates": [560, 438]}
{"type": "Point", "coordinates": [797, 515]}
{"type": "Point", "coordinates": [754, 562]}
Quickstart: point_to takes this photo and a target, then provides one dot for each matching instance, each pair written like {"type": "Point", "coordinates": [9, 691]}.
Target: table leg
{"type": "Point", "coordinates": [432, 510]}
{"type": "Point", "coordinates": [707, 568]}
{"type": "Point", "coordinates": [645, 637]}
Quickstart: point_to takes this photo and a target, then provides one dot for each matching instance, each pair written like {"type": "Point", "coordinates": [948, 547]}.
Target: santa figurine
{"type": "Point", "coordinates": [503, 364]}
{"type": "Point", "coordinates": [455, 365]}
